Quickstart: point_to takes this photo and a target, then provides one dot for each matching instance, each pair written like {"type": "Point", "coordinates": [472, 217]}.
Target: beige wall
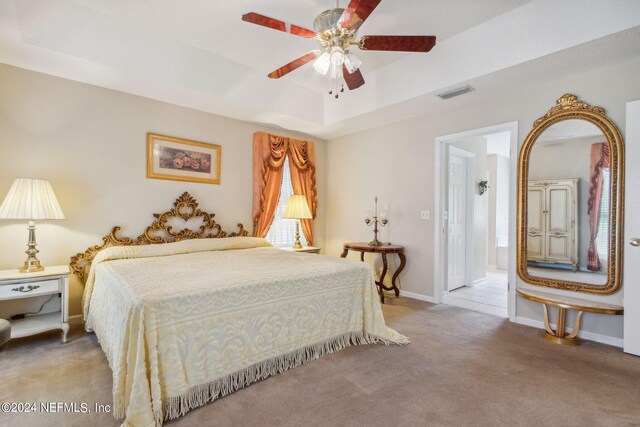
{"type": "Point", "coordinates": [90, 143]}
{"type": "Point", "coordinates": [397, 162]}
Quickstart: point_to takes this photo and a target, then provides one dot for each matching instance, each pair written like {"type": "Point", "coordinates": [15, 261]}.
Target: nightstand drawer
{"type": "Point", "coordinates": [29, 289]}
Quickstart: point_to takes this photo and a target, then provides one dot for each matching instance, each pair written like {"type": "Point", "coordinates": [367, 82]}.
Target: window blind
{"type": "Point", "coordinates": [283, 230]}
{"type": "Point", "coordinates": [602, 240]}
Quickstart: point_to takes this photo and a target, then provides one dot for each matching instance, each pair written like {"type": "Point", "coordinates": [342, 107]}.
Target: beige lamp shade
{"type": "Point", "coordinates": [31, 199]}
{"type": "Point", "coordinates": [297, 207]}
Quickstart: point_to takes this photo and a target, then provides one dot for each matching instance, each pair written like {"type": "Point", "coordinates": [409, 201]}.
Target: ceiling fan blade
{"type": "Point", "coordinates": [276, 24]}
{"type": "Point", "coordinates": [356, 13]}
{"type": "Point", "coordinates": [398, 43]}
{"type": "Point", "coordinates": [353, 80]}
{"type": "Point", "coordinates": [295, 64]}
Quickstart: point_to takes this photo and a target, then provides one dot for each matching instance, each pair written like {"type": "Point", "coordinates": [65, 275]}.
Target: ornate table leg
{"type": "Point", "coordinates": [344, 253]}
{"type": "Point", "coordinates": [380, 283]}
{"type": "Point", "coordinates": [362, 256]}
{"type": "Point", "coordinates": [403, 261]}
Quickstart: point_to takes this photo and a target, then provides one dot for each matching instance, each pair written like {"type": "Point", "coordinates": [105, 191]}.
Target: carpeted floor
{"type": "Point", "coordinates": [462, 368]}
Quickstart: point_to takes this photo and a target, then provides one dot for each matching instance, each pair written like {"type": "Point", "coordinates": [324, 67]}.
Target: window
{"type": "Point", "coordinates": [602, 242]}
{"type": "Point", "coordinates": [283, 230]}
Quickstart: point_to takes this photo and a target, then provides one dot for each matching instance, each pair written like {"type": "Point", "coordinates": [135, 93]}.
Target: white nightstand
{"type": "Point", "coordinates": [25, 292]}
{"type": "Point", "coordinates": [309, 249]}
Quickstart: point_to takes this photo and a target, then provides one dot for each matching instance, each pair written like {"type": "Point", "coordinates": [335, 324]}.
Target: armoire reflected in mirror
{"type": "Point", "coordinates": [570, 196]}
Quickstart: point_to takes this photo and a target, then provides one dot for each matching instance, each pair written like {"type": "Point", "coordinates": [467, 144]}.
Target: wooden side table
{"type": "Point", "coordinates": [564, 303]}
{"type": "Point", "coordinates": [363, 247]}
{"type": "Point", "coordinates": [307, 249]}
{"type": "Point", "coordinates": [17, 288]}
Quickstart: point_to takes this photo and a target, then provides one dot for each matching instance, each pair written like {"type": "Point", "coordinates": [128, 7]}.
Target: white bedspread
{"type": "Point", "coordinates": [184, 323]}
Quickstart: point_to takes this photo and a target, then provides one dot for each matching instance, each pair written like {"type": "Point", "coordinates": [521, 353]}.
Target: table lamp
{"type": "Point", "coordinates": [31, 199]}
{"type": "Point", "coordinates": [297, 208]}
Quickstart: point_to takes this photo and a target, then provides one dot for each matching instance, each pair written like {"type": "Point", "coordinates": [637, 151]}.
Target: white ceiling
{"type": "Point", "coordinates": [198, 53]}
{"type": "Point", "coordinates": [216, 27]}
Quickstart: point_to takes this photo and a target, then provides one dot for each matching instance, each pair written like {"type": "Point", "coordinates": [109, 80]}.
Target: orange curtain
{"type": "Point", "coordinates": [303, 178]}
{"type": "Point", "coordinates": [269, 153]}
{"type": "Point", "coordinates": [599, 161]}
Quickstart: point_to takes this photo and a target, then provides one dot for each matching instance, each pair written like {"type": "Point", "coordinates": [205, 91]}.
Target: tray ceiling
{"type": "Point", "coordinates": [199, 53]}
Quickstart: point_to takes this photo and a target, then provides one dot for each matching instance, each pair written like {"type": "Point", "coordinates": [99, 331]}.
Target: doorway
{"type": "Point", "coordinates": [475, 212]}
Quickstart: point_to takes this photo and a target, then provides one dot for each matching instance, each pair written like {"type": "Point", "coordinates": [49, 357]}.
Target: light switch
{"type": "Point", "coordinates": [425, 215]}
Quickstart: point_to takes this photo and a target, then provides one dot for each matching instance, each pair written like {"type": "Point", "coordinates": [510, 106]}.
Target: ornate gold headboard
{"type": "Point", "coordinates": [185, 207]}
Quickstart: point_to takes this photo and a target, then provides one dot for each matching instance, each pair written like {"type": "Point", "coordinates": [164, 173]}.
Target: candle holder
{"type": "Point", "coordinates": [375, 222]}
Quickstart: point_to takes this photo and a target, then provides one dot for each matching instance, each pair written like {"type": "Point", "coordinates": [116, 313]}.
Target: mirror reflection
{"type": "Point", "coordinates": [568, 204]}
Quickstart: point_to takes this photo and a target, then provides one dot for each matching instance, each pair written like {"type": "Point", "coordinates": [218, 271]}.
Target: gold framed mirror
{"type": "Point", "coordinates": [570, 200]}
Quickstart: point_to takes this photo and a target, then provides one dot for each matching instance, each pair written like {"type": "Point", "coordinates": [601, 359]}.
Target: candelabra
{"type": "Point", "coordinates": [369, 220]}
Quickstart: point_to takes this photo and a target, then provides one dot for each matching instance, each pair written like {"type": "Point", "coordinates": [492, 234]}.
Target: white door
{"type": "Point", "coordinates": [457, 224]}
{"type": "Point", "coordinates": [535, 223]}
{"type": "Point", "coordinates": [632, 231]}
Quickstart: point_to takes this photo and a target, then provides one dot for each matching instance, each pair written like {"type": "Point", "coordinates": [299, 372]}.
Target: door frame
{"type": "Point", "coordinates": [469, 215]}
{"type": "Point", "coordinates": [440, 243]}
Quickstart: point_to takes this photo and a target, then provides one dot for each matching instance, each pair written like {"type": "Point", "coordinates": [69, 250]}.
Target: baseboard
{"type": "Point", "coordinates": [419, 297]}
{"type": "Point", "coordinates": [591, 336]}
{"type": "Point", "coordinates": [75, 320]}
{"type": "Point", "coordinates": [477, 282]}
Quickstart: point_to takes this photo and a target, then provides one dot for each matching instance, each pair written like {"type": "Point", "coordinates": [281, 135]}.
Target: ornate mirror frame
{"type": "Point", "coordinates": [566, 108]}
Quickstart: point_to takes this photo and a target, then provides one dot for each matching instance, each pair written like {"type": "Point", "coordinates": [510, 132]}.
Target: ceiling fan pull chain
{"type": "Point", "coordinates": [334, 82]}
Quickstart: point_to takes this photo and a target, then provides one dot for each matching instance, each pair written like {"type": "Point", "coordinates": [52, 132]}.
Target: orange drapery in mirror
{"type": "Point", "coordinates": [600, 160]}
{"type": "Point", "coordinates": [269, 153]}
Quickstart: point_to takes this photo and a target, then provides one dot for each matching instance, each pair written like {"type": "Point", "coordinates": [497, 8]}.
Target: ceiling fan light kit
{"type": "Point", "coordinates": [336, 31]}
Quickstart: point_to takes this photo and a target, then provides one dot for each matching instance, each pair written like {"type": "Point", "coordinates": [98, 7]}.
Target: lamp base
{"type": "Point", "coordinates": [297, 244]}
{"type": "Point", "coordinates": [32, 264]}
{"type": "Point", "coordinates": [30, 267]}
{"type": "Point", "coordinates": [375, 242]}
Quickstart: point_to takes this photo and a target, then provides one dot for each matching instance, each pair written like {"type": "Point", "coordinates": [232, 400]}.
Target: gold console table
{"type": "Point", "coordinates": [563, 303]}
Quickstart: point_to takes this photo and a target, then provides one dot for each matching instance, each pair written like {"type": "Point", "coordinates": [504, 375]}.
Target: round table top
{"type": "Point", "coordinates": [366, 247]}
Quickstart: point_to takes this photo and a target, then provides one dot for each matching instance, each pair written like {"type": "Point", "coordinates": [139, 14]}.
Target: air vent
{"type": "Point", "coordinates": [456, 92]}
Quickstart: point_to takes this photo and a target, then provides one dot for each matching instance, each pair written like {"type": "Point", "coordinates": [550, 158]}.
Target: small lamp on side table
{"type": "Point", "coordinates": [297, 208]}
{"type": "Point", "coordinates": [31, 199]}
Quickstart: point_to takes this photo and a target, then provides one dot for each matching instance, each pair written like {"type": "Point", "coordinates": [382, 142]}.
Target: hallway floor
{"type": "Point", "coordinates": [488, 297]}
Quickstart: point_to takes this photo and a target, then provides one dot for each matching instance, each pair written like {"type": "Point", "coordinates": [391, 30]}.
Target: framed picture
{"type": "Point", "coordinates": [182, 160]}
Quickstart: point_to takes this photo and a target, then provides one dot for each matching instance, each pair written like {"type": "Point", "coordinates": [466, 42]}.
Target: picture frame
{"type": "Point", "coordinates": [181, 159]}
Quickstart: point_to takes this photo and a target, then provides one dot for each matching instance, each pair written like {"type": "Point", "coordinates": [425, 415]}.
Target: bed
{"type": "Point", "coordinates": [192, 316]}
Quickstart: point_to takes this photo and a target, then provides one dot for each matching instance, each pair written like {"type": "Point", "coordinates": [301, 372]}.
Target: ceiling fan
{"type": "Point", "coordinates": [336, 31]}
